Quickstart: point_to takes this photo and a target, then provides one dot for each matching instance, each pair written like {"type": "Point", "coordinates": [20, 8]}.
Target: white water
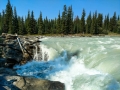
{"type": "Point", "coordinates": [81, 63]}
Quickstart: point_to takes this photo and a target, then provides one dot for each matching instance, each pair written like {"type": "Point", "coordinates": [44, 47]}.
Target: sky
{"type": "Point", "coordinates": [51, 8]}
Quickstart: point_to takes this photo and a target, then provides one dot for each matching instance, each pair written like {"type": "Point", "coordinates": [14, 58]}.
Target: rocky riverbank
{"type": "Point", "coordinates": [19, 50]}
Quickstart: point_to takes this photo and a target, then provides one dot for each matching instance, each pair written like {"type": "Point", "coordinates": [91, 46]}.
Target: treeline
{"type": "Point", "coordinates": [95, 23]}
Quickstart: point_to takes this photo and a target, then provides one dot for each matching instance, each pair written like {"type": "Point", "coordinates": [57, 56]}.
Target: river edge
{"type": "Point", "coordinates": [10, 80]}
{"type": "Point", "coordinates": [73, 35]}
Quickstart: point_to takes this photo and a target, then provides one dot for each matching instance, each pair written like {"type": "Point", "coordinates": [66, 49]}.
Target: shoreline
{"type": "Point", "coordinates": [74, 35]}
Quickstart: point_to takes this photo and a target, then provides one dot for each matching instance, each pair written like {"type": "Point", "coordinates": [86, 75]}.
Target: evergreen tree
{"type": "Point", "coordinates": [15, 22]}
{"type": "Point", "coordinates": [88, 25]}
{"type": "Point", "coordinates": [3, 28]}
{"type": "Point", "coordinates": [46, 25]}
{"type": "Point", "coordinates": [32, 24]}
{"type": "Point", "coordinates": [49, 27]}
{"type": "Point", "coordinates": [0, 23]}
{"type": "Point", "coordinates": [70, 21]}
{"type": "Point", "coordinates": [40, 25]}
{"type": "Point", "coordinates": [21, 26]}
{"type": "Point", "coordinates": [113, 24]}
{"type": "Point", "coordinates": [54, 26]}
{"type": "Point", "coordinates": [51, 23]}
{"type": "Point", "coordinates": [107, 21]}
{"type": "Point", "coordinates": [95, 24]}
{"type": "Point", "coordinates": [92, 30]}
{"type": "Point", "coordinates": [106, 24]}
{"type": "Point", "coordinates": [64, 20]}
{"type": "Point", "coordinates": [82, 26]}
{"type": "Point", "coordinates": [99, 24]}
{"type": "Point", "coordinates": [8, 18]}
{"type": "Point", "coordinates": [118, 18]}
{"type": "Point", "coordinates": [118, 26]}
{"type": "Point", "coordinates": [59, 24]}
{"type": "Point", "coordinates": [27, 23]}
{"type": "Point", "coordinates": [76, 25]}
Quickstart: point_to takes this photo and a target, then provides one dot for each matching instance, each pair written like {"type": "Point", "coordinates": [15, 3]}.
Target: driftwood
{"type": "Point", "coordinates": [23, 49]}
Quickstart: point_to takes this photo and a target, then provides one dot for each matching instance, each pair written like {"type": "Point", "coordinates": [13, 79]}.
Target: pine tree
{"type": "Point", "coordinates": [88, 25]}
{"type": "Point", "coordinates": [92, 30]}
{"type": "Point", "coordinates": [0, 22]}
{"type": "Point", "coordinates": [70, 21]}
{"type": "Point", "coordinates": [106, 24]}
{"type": "Point", "coordinates": [99, 24]}
{"type": "Point", "coordinates": [27, 23]}
{"type": "Point", "coordinates": [54, 26]}
{"type": "Point", "coordinates": [59, 24]}
{"type": "Point", "coordinates": [32, 24]}
{"type": "Point", "coordinates": [64, 20]}
{"type": "Point", "coordinates": [8, 18]}
{"type": "Point", "coordinates": [21, 26]}
{"type": "Point", "coordinates": [118, 18]}
{"type": "Point", "coordinates": [118, 26]}
{"type": "Point", "coordinates": [76, 25]}
{"type": "Point", "coordinates": [3, 28]}
{"type": "Point", "coordinates": [49, 27]}
{"type": "Point", "coordinates": [113, 24]}
{"type": "Point", "coordinates": [95, 24]}
{"type": "Point", "coordinates": [15, 22]}
{"type": "Point", "coordinates": [46, 25]}
{"type": "Point", "coordinates": [82, 26]}
{"type": "Point", "coordinates": [40, 25]}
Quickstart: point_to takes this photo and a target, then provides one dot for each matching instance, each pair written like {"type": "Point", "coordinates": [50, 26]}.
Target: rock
{"type": "Point", "coordinates": [10, 36]}
{"type": "Point", "coordinates": [3, 35]}
{"type": "Point", "coordinates": [7, 71]}
{"type": "Point", "coordinates": [14, 53]}
{"type": "Point", "coordinates": [2, 62]}
{"type": "Point", "coordinates": [29, 83]}
{"type": "Point", "coordinates": [20, 51]}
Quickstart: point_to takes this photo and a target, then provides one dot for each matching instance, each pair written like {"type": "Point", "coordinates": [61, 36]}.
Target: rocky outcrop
{"type": "Point", "coordinates": [19, 49]}
{"type": "Point", "coordinates": [11, 81]}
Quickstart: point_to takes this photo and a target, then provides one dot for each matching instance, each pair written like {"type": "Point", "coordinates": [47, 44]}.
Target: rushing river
{"type": "Point", "coordinates": [82, 63]}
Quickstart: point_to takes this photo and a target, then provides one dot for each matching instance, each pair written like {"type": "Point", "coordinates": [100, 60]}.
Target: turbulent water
{"type": "Point", "coordinates": [88, 63]}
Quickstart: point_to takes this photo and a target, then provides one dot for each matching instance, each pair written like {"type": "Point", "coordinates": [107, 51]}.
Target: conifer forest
{"type": "Point", "coordinates": [65, 23]}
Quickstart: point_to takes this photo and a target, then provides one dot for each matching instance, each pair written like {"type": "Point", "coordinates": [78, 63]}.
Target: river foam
{"type": "Point", "coordinates": [80, 63]}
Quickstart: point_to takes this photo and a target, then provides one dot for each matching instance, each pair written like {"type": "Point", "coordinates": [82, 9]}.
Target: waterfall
{"type": "Point", "coordinates": [81, 63]}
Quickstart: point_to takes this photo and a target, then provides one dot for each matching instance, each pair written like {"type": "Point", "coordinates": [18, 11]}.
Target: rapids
{"type": "Point", "coordinates": [82, 63]}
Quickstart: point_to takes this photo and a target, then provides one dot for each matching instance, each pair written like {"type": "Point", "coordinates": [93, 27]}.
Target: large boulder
{"type": "Point", "coordinates": [29, 83]}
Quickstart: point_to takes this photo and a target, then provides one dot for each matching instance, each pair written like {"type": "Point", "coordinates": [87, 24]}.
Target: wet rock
{"type": "Point", "coordinates": [14, 53]}
{"type": "Point", "coordinates": [3, 35]}
{"type": "Point", "coordinates": [29, 83]}
{"type": "Point", "coordinates": [2, 62]}
{"type": "Point", "coordinates": [10, 36]}
{"type": "Point", "coordinates": [7, 71]}
{"type": "Point", "coordinates": [21, 50]}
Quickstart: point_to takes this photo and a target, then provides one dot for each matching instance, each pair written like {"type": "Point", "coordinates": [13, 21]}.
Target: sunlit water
{"type": "Point", "coordinates": [88, 63]}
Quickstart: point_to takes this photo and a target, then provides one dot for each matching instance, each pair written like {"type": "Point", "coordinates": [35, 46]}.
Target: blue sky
{"type": "Point", "coordinates": [51, 8]}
